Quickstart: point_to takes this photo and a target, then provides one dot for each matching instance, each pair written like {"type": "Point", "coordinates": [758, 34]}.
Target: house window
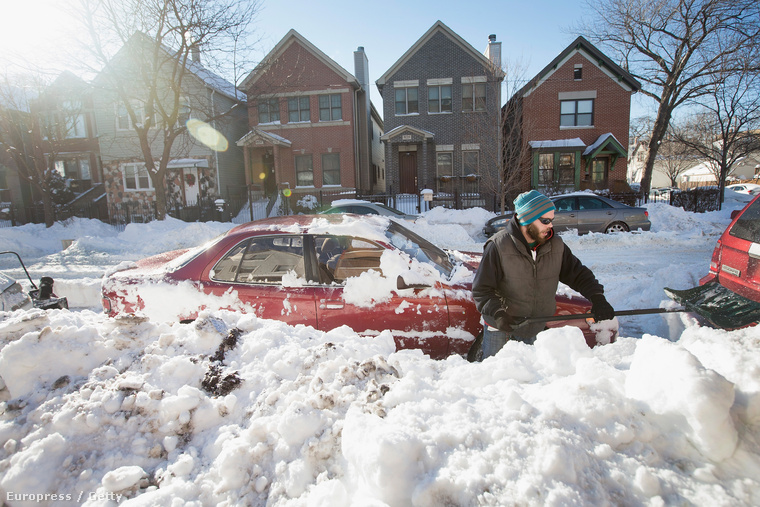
{"type": "Point", "coordinates": [74, 120]}
{"type": "Point", "coordinates": [599, 172]}
{"type": "Point", "coordinates": [330, 169]}
{"type": "Point", "coordinates": [578, 73]}
{"type": "Point", "coordinates": [474, 97]}
{"type": "Point", "coordinates": [406, 100]}
{"type": "Point", "coordinates": [439, 99]}
{"type": "Point", "coordinates": [330, 108]}
{"type": "Point", "coordinates": [74, 168]}
{"type": "Point", "coordinates": [566, 168]}
{"type": "Point", "coordinates": [545, 168]}
{"type": "Point", "coordinates": [136, 177]}
{"type": "Point", "coordinates": [304, 171]}
{"type": "Point", "coordinates": [123, 121]}
{"type": "Point", "coordinates": [269, 111]}
{"type": "Point", "coordinates": [298, 109]}
{"type": "Point", "coordinates": [576, 113]}
{"type": "Point", "coordinates": [445, 171]}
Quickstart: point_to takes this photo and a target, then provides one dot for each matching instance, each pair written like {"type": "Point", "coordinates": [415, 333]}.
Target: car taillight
{"type": "Point", "coordinates": [715, 261]}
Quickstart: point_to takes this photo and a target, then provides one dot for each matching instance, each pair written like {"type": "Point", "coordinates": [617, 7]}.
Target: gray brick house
{"type": "Point", "coordinates": [441, 109]}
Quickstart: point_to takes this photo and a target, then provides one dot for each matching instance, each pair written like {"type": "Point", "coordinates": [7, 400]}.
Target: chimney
{"type": "Point", "coordinates": [361, 68]}
{"type": "Point", "coordinates": [493, 51]}
{"type": "Point", "coordinates": [195, 54]}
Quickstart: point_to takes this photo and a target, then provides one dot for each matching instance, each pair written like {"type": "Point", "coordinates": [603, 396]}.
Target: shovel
{"type": "Point", "coordinates": [720, 306]}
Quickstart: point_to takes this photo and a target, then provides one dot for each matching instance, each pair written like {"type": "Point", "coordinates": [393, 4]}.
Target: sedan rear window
{"type": "Point", "coordinates": [747, 227]}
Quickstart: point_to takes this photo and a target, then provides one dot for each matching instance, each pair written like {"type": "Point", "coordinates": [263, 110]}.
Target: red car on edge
{"type": "Point", "coordinates": [367, 272]}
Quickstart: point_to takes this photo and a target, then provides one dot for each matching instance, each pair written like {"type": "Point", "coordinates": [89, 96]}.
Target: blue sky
{"type": "Point", "coordinates": [531, 33]}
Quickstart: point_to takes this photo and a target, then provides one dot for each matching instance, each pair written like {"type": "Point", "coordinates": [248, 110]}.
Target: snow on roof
{"type": "Point", "coordinates": [599, 142]}
{"type": "Point", "coordinates": [559, 143]}
{"type": "Point", "coordinates": [216, 82]}
{"type": "Point", "coordinates": [187, 162]}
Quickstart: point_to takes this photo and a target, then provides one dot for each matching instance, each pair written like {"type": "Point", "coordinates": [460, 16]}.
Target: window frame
{"type": "Point", "coordinates": [439, 100]}
{"type": "Point", "coordinates": [138, 168]}
{"type": "Point", "coordinates": [334, 171]}
{"type": "Point", "coordinates": [406, 101]}
{"type": "Point", "coordinates": [443, 185]}
{"type": "Point", "coordinates": [330, 108]}
{"type": "Point", "coordinates": [477, 103]}
{"type": "Point", "coordinates": [300, 106]}
{"type": "Point", "coordinates": [304, 171]}
{"type": "Point", "coordinates": [575, 115]}
{"type": "Point", "coordinates": [272, 106]}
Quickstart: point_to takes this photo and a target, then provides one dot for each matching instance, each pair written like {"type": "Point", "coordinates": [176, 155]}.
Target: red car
{"type": "Point", "coordinates": [730, 293]}
{"type": "Point", "coordinates": [367, 272]}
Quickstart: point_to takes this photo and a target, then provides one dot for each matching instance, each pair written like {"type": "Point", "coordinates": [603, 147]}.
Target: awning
{"type": "Point", "coordinates": [402, 130]}
{"type": "Point", "coordinates": [605, 145]}
{"type": "Point", "coordinates": [557, 143]}
{"type": "Point", "coordinates": [187, 162]}
{"type": "Point", "coordinates": [261, 137]}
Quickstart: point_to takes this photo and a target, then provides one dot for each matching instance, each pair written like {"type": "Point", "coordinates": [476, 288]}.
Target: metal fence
{"type": "Point", "coordinates": [256, 205]}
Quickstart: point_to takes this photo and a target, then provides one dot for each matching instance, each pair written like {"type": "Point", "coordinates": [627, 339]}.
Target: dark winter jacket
{"type": "Point", "coordinates": [509, 278]}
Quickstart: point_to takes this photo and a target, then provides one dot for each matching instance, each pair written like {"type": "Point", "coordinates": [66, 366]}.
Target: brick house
{"type": "Point", "coordinates": [572, 122]}
{"type": "Point", "coordinates": [312, 124]}
{"type": "Point", "coordinates": [441, 108]}
{"type": "Point", "coordinates": [71, 140]}
{"type": "Point", "coordinates": [198, 170]}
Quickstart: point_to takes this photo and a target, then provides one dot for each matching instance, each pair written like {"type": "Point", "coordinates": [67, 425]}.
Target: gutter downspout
{"type": "Point", "coordinates": [216, 153]}
{"type": "Point", "coordinates": [357, 157]}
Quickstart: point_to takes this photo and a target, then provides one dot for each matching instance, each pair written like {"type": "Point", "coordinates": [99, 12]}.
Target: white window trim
{"type": "Point", "coordinates": [139, 165]}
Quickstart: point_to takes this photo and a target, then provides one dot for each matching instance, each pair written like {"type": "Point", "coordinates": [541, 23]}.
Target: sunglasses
{"type": "Point", "coordinates": [545, 221]}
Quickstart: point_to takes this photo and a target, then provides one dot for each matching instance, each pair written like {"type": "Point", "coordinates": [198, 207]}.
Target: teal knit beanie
{"type": "Point", "coordinates": [531, 205]}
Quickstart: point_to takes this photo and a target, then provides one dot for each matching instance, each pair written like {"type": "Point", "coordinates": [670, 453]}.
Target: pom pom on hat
{"type": "Point", "coordinates": [531, 205]}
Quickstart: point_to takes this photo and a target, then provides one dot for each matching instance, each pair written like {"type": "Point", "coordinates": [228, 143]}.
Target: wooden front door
{"type": "Point", "coordinates": [408, 172]}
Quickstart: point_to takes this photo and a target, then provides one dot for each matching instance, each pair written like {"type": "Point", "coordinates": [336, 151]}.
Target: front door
{"type": "Point", "coordinates": [408, 172]}
{"type": "Point", "coordinates": [599, 172]}
{"type": "Point", "coordinates": [191, 183]}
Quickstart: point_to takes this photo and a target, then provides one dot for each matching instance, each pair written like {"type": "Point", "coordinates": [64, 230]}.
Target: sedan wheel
{"type": "Point", "coordinates": [617, 227]}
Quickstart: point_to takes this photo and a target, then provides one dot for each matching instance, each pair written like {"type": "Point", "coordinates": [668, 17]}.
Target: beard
{"type": "Point", "coordinates": [536, 235]}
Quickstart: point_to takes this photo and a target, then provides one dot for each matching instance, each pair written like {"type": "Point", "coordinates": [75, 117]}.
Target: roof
{"type": "Point", "coordinates": [606, 142]}
{"type": "Point", "coordinates": [406, 128]}
{"type": "Point", "coordinates": [559, 143]}
{"type": "Point", "coordinates": [581, 45]}
{"type": "Point", "coordinates": [290, 38]}
{"type": "Point", "coordinates": [269, 137]}
{"type": "Point", "coordinates": [437, 27]}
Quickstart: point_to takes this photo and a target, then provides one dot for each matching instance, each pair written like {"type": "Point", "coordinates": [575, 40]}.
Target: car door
{"type": "Point", "coordinates": [566, 214]}
{"type": "Point", "coordinates": [594, 215]}
{"type": "Point", "coordinates": [353, 291]}
{"type": "Point", "coordinates": [269, 273]}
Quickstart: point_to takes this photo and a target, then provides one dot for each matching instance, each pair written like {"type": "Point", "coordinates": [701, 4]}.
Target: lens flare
{"type": "Point", "coordinates": [207, 135]}
{"type": "Point", "coordinates": [286, 192]}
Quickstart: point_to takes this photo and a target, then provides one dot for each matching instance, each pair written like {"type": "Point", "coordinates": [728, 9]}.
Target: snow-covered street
{"type": "Point", "coordinates": [236, 410]}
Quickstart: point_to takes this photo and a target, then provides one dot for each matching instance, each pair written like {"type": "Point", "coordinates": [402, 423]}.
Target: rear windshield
{"type": "Point", "coordinates": [747, 227]}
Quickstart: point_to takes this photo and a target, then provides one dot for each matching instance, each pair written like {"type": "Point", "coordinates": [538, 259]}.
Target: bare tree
{"type": "Point", "coordinates": [725, 130]}
{"type": "Point", "coordinates": [152, 77]}
{"type": "Point", "coordinates": [675, 48]}
{"type": "Point", "coordinates": [674, 156]}
{"type": "Point", "coordinates": [34, 135]}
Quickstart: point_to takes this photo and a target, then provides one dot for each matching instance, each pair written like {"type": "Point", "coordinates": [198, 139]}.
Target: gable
{"type": "Point", "coordinates": [296, 63]}
{"type": "Point", "coordinates": [590, 54]}
{"type": "Point", "coordinates": [440, 36]}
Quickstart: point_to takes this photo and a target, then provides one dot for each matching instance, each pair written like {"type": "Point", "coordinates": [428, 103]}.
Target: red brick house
{"type": "Point", "coordinates": [310, 121]}
{"type": "Point", "coordinates": [572, 124]}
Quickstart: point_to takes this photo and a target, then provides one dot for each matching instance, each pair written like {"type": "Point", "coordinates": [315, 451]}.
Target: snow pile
{"type": "Point", "coordinates": [238, 410]}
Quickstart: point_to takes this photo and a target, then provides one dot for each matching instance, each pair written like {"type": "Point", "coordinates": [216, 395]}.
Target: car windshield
{"type": "Point", "coordinates": [419, 248]}
{"type": "Point", "coordinates": [388, 208]}
{"type": "Point", "coordinates": [747, 227]}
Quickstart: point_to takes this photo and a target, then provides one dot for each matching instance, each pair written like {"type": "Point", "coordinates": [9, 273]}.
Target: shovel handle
{"type": "Point", "coordinates": [578, 316]}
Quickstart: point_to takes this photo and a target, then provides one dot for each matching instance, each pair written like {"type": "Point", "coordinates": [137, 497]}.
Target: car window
{"type": "Point", "coordinates": [587, 203]}
{"type": "Point", "coordinates": [343, 257]}
{"type": "Point", "coordinates": [419, 248]}
{"type": "Point", "coordinates": [362, 210]}
{"type": "Point", "coordinates": [747, 227]}
{"type": "Point", "coordinates": [261, 260]}
{"type": "Point", "coordinates": [566, 204]}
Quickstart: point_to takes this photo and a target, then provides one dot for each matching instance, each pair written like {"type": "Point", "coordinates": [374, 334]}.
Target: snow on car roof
{"type": "Point", "coordinates": [365, 226]}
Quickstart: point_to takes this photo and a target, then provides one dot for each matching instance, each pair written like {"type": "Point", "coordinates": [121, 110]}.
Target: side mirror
{"type": "Point", "coordinates": [401, 284]}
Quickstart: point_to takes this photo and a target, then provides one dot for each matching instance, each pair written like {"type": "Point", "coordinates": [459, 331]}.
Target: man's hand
{"type": "Point", "coordinates": [601, 309]}
{"type": "Point", "coordinates": [503, 320]}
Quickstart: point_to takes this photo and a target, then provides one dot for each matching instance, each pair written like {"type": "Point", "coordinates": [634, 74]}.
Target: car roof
{"type": "Point", "coordinates": [367, 226]}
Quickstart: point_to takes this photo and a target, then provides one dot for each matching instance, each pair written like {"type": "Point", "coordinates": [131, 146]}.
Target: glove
{"type": "Point", "coordinates": [601, 309]}
{"type": "Point", "coordinates": [503, 320]}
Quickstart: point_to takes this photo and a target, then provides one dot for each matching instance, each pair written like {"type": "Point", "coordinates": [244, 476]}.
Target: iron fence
{"type": "Point", "coordinates": [255, 205]}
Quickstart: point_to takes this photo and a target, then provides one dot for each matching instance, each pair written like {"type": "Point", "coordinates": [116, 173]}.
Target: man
{"type": "Point", "coordinates": [520, 271]}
